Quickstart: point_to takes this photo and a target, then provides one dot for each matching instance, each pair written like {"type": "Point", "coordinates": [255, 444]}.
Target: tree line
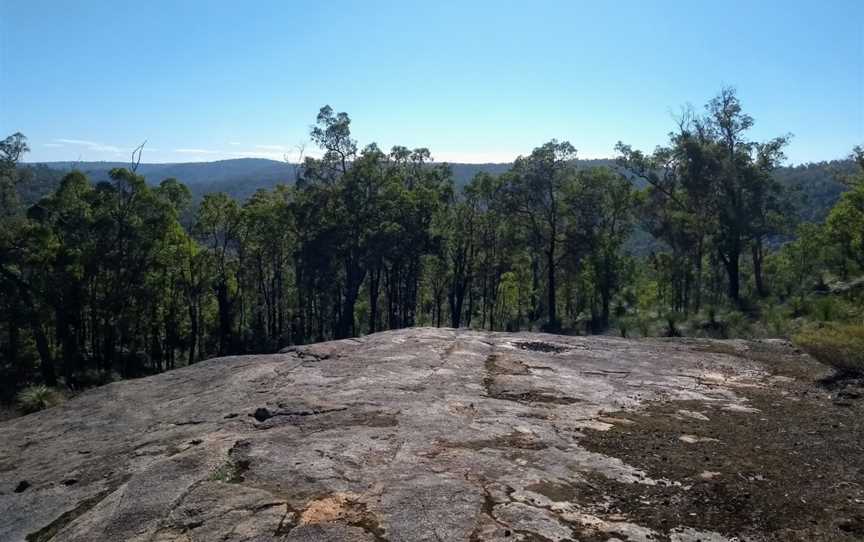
{"type": "Point", "coordinates": [123, 278]}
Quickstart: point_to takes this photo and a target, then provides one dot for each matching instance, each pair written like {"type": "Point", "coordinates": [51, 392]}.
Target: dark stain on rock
{"type": "Point", "coordinates": [514, 440]}
{"type": "Point", "coordinates": [554, 491]}
{"type": "Point", "coordinates": [22, 486]}
{"type": "Point", "coordinates": [263, 414]}
{"type": "Point", "coordinates": [372, 419]}
{"type": "Point", "coordinates": [495, 366]}
{"type": "Point", "coordinates": [536, 397]}
{"type": "Point", "coordinates": [540, 346]}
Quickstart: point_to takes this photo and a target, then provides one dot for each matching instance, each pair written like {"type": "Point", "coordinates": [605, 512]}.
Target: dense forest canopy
{"type": "Point", "coordinates": [113, 277]}
{"type": "Point", "coordinates": [815, 186]}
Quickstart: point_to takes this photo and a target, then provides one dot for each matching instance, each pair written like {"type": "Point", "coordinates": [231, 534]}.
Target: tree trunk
{"type": "Point", "coordinates": [697, 297]}
{"type": "Point", "coordinates": [457, 300]}
{"type": "Point", "coordinates": [354, 276]}
{"type": "Point", "coordinates": [49, 376]}
{"type": "Point", "coordinates": [732, 263]}
{"type": "Point", "coordinates": [193, 331]}
{"type": "Point", "coordinates": [225, 318]}
{"type": "Point", "coordinates": [553, 315]}
{"type": "Point", "coordinates": [374, 287]}
{"type": "Point", "coordinates": [14, 341]}
{"type": "Point", "coordinates": [757, 268]}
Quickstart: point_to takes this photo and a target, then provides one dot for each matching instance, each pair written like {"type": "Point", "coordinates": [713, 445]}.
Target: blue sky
{"type": "Point", "coordinates": [472, 80]}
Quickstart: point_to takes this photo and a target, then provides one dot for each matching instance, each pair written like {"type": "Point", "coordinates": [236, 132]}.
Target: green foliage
{"type": "Point", "coordinates": [230, 472]}
{"type": "Point", "coordinates": [737, 324]}
{"type": "Point", "coordinates": [826, 309]}
{"type": "Point", "coordinates": [672, 319]}
{"type": "Point", "coordinates": [710, 193]}
{"type": "Point", "coordinates": [776, 321]}
{"type": "Point", "coordinates": [846, 223]}
{"type": "Point", "coordinates": [645, 326]}
{"type": "Point", "coordinates": [624, 324]}
{"type": "Point", "coordinates": [109, 277]}
{"type": "Point", "coordinates": [38, 397]}
{"type": "Point", "coordinates": [839, 346]}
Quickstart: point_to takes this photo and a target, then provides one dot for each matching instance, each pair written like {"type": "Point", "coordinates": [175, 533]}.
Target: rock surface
{"type": "Point", "coordinates": [417, 435]}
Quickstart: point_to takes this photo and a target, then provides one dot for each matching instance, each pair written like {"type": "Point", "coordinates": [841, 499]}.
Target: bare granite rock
{"type": "Point", "coordinates": [412, 435]}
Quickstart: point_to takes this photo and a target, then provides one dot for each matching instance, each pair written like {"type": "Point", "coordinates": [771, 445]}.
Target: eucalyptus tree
{"type": "Point", "coordinates": [600, 207]}
{"type": "Point", "coordinates": [846, 220]}
{"type": "Point", "coordinates": [746, 192]}
{"type": "Point", "coordinates": [12, 149]}
{"type": "Point", "coordinates": [219, 229]}
{"type": "Point", "coordinates": [267, 225]}
{"type": "Point", "coordinates": [534, 191]}
{"type": "Point", "coordinates": [358, 215]}
{"type": "Point", "coordinates": [712, 185]}
{"type": "Point", "coordinates": [13, 292]}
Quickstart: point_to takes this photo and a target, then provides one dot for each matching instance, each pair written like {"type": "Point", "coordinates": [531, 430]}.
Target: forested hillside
{"type": "Point", "coordinates": [814, 187]}
{"type": "Point", "coordinates": [109, 276]}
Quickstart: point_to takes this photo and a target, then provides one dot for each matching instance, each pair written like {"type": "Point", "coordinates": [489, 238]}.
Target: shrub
{"type": "Point", "coordinates": [840, 346]}
{"type": "Point", "coordinates": [35, 398]}
{"type": "Point", "coordinates": [737, 325]}
{"type": "Point", "coordinates": [644, 324]}
{"type": "Point", "coordinates": [827, 308]}
{"type": "Point", "coordinates": [799, 306]}
{"type": "Point", "coordinates": [776, 321]}
{"type": "Point", "coordinates": [672, 320]}
{"type": "Point", "coordinates": [625, 324]}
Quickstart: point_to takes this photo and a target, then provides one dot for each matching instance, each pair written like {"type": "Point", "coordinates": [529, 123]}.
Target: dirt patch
{"type": "Point", "coordinates": [794, 471]}
{"type": "Point", "coordinates": [554, 491]}
{"type": "Point", "coordinates": [497, 365]}
{"type": "Point", "coordinates": [510, 441]}
{"type": "Point", "coordinates": [339, 506]}
{"type": "Point", "coordinates": [345, 508]}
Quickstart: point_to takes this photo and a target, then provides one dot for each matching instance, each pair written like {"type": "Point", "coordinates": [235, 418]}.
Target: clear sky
{"type": "Point", "coordinates": [472, 80]}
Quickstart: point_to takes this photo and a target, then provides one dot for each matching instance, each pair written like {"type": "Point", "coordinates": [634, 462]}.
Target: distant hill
{"type": "Point", "coordinates": [256, 172]}
{"type": "Point", "coordinates": [814, 186]}
{"type": "Point", "coordinates": [243, 176]}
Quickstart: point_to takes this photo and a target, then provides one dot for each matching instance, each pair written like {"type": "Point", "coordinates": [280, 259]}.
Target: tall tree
{"type": "Point", "coordinates": [219, 223]}
{"type": "Point", "coordinates": [534, 191]}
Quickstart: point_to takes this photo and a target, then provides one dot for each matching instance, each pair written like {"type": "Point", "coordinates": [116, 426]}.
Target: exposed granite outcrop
{"type": "Point", "coordinates": [411, 435]}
